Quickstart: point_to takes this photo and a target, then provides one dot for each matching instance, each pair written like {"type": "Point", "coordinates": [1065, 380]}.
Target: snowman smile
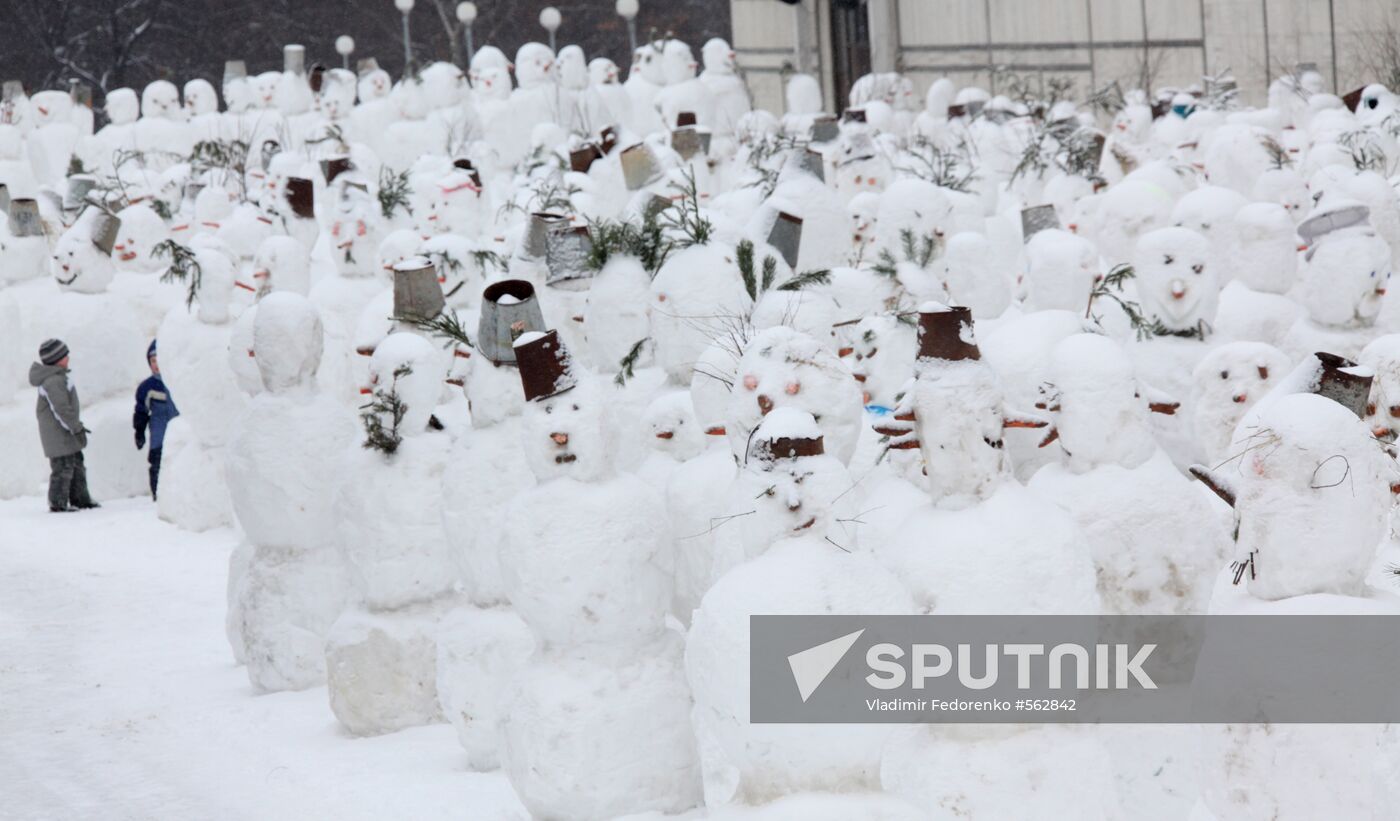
{"type": "Point", "coordinates": [805, 525]}
{"type": "Point", "coordinates": [565, 459]}
{"type": "Point", "coordinates": [127, 256]}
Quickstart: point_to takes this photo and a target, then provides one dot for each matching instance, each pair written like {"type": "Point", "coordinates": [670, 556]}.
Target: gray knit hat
{"type": "Point", "coordinates": [52, 351]}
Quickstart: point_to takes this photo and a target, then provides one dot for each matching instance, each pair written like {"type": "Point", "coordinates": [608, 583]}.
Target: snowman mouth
{"type": "Point", "coordinates": [565, 459]}
{"type": "Point", "coordinates": [127, 256]}
{"type": "Point", "coordinates": [805, 525]}
{"type": "Point", "coordinates": [68, 281]}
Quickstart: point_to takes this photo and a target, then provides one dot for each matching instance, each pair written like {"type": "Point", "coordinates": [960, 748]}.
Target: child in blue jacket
{"type": "Point", "coordinates": [154, 409]}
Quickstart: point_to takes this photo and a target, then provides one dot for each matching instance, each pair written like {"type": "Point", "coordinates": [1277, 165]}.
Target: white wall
{"type": "Point", "coordinates": [1090, 41]}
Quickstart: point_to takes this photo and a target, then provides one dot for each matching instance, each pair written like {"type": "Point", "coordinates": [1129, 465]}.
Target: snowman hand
{"type": "Point", "coordinates": [1018, 419]}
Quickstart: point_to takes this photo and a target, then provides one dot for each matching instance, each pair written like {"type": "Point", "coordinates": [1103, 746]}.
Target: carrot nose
{"type": "Point", "coordinates": [365, 391]}
{"type": "Point", "coordinates": [860, 377]}
{"type": "Point", "coordinates": [665, 434]}
{"type": "Point", "coordinates": [1239, 398]}
{"type": "Point", "coordinates": [845, 351]}
{"type": "Point", "coordinates": [560, 438]}
{"type": "Point", "coordinates": [1178, 289]}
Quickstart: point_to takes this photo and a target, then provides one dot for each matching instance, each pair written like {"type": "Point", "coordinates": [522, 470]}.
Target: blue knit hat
{"type": "Point", "coordinates": [151, 351]}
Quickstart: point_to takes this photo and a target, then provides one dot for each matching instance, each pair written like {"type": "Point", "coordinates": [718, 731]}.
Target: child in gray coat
{"type": "Point", "coordinates": [61, 429]}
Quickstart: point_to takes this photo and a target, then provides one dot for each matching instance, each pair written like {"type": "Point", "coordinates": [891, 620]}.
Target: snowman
{"type": "Point", "coordinates": [645, 80]}
{"type": "Point", "coordinates": [696, 296]}
{"type": "Point", "coordinates": [161, 132]}
{"type": "Point", "coordinates": [482, 644]}
{"type": "Point", "coordinates": [54, 137]}
{"type": "Point", "coordinates": [1155, 539]}
{"type": "Point", "coordinates": [782, 367]}
{"type": "Point", "coordinates": [1264, 260]}
{"type": "Point", "coordinates": [1344, 277]}
{"type": "Point", "coordinates": [294, 582]}
{"type": "Point", "coordinates": [792, 486]}
{"type": "Point", "coordinates": [954, 409]}
{"type": "Point", "coordinates": [698, 491]}
{"type": "Point", "coordinates": [1382, 357]}
{"type": "Point", "coordinates": [972, 275]}
{"type": "Point", "coordinates": [596, 724]}
{"type": "Point", "coordinates": [201, 110]}
{"type": "Point", "coordinates": [1317, 476]}
{"type": "Point", "coordinates": [1061, 270]}
{"type": "Point", "coordinates": [194, 346]}
{"type": "Point", "coordinates": [673, 435]}
{"type": "Point", "coordinates": [978, 511]}
{"type": "Point", "coordinates": [381, 653]}
{"type": "Point", "coordinates": [727, 90]}
{"type": "Point", "coordinates": [1226, 384]}
{"type": "Point", "coordinates": [141, 231]}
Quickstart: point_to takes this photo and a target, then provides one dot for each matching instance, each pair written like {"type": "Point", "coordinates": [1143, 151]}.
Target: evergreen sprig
{"type": "Point", "coordinates": [184, 267]}
{"type": "Point", "coordinates": [446, 326]}
{"type": "Point", "coordinates": [686, 220]}
{"type": "Point", "coordinates": [394, 191]}
{"type": "Point", "coordinates": [647, 242]}
{"type": "Point", "coordinates": [807, 279]}
{"type": "Point", "coordinates": [1111, 287]}
{"type": "Point", "coordinates": [386, 404]}
{"type": "Point", "coordinates": [627, 366]}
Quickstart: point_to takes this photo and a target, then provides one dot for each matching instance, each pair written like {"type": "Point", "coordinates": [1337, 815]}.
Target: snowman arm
{"type": "Point", "coordinates": [1218, 484]}
{"type": "Point", "coordinates": [1157, 401]}
{"type": "Point", "coordinates": [900, 426]}
{"type": "Point", "coordinates": [1020, 419]}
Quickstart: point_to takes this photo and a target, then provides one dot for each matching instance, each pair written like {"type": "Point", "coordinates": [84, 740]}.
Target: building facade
{"type": "Point", "coordinates": [1152, 43]}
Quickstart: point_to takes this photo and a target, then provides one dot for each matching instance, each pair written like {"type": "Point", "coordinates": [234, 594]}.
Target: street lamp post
{"type": "Point", "coordinates": [345, 46]}
{"type": "Point", "coordinates": [404, 7]}
{"type": "Point", "coordinates": [627, 10]}
{"type": "Point", "coordinates": [466, 15]}
{"type": "Point", "coordinates": [550, 18]}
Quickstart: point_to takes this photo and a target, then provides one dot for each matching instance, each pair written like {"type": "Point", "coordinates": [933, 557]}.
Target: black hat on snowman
{"type": "Point", "coordinates": [546, 366]}
{"type": "Point", "coordinates": [301, 196]}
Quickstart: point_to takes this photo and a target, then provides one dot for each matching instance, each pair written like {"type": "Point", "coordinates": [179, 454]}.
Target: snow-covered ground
{"type": "Point", "coordinates": [118, 697]}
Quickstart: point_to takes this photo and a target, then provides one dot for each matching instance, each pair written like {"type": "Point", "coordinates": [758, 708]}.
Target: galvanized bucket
{"type": "Point", "coordinates": [509, 308]}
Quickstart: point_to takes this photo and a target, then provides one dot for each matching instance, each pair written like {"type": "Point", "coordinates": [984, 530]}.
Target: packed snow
{"type": "Point", "coordinates": [507, 395]}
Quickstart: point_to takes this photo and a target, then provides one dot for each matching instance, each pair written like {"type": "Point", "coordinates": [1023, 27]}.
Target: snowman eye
{"type": "Point", "coordinates": [1370, 408]}
{"type": "Point", "coordinates": [549, 409]}
{"type": "Point", "coordinates": [1394, 410]}
{"type": "Point", "coordinates": [770, 491]}
{"type": "Point", "coordinates": [575, 407]}
{"type": "Point", "coordinates": [1224, 374]}
{"type": "Point", "coordinates": [1263, 372]}
{"type": "Point", "coordinates": [1168, 259]}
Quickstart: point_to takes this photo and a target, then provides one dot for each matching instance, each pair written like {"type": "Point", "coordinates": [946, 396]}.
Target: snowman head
{"type": "Point", "coordinates": [1061, 269]}
{"type": "Point", "coordinates": [573, 68]}
{"type": "Point", "coordinates": [397, 247]}
{"type": "Point", "coordinates": [410, 367]}
{"type": "Point", "coordinates": [1347, 266]}
{"type": "Point", "coordinates": [602, 72]}
{"type": "Point", "coordinates": [445, 85]}
{"type": "Point", "coordinates": [678, 62]}
{"type": "Point", "coordinates": [337, 95]}
{"type": "Point", "coordinates": [1266, 251]}
{"type": "Point", "coordinates": [82, 259]}
{"type": "Point", "coordinates": [283, 265]}
{"type": "Point", "coordinates": [1226, 383]}
{"type": "Point", "coordinates": [534, 65]}
{"type": "Point", "coordinates": [783, 367]}
{"type": "Point", "coordinates": [1209, 211]}
{"type": "Point", "coordinates": [804, 95]}
{"type": "Point", "coordinates": [882, 352]}
{"type": "Point", "coordinates": [798, 481]}
{"type": "Point", "coordinates": [493, 83]}
{"type": "Point", "coordinates": [488, 57]}
{"type": "Point", "coordinates": [1132, 124]}
{"type": "Point", "coordinates": [719, 57]}
{"type": "Point", "coordinates": [160, 100]}
{"type": "Point", "coordinates": [265, 89]}
{"type": "Point", "coordinates": [1176, 278]}
{"type": "Point", "coordinates": [1382, 356]}
{"type": "Point", "coordinates": [200, 97]}
{"type": "Point", "coordinates": [565, 417]}
{"type": "Point", "coordinates": [1094, 398]}
{"type": "Point", "coordinates": [647, 64]}
{"type": "Point", "coordinates": [970, 271]}
{"type": "Point", "coordinates": [863, 211]}
{"type": "Point", "coordinates": [451, 204]}
{"type": "Point", "coordinates": [410, 98]}
{"type": "Point", "coordinates": [710, 386]}
{"type": "Point", "coordinates": [287, 341]}
{"type": "Point", "coordinates": [670, 423]}
{"type": "Point", "coordinates": [122, 106]}
{"type": "Point", "coordinates": [50, 107]}
{"type": "Point", "coordinates": [218, 276]}
{"type": "Point", "coordinates": [375, 85]}
{"type": "Point", "coordinates": [939, 97]}
{"type": "Point", "coordinates": [1312, 476]}
{"type": "Point", "coordinates": [141, 230]}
